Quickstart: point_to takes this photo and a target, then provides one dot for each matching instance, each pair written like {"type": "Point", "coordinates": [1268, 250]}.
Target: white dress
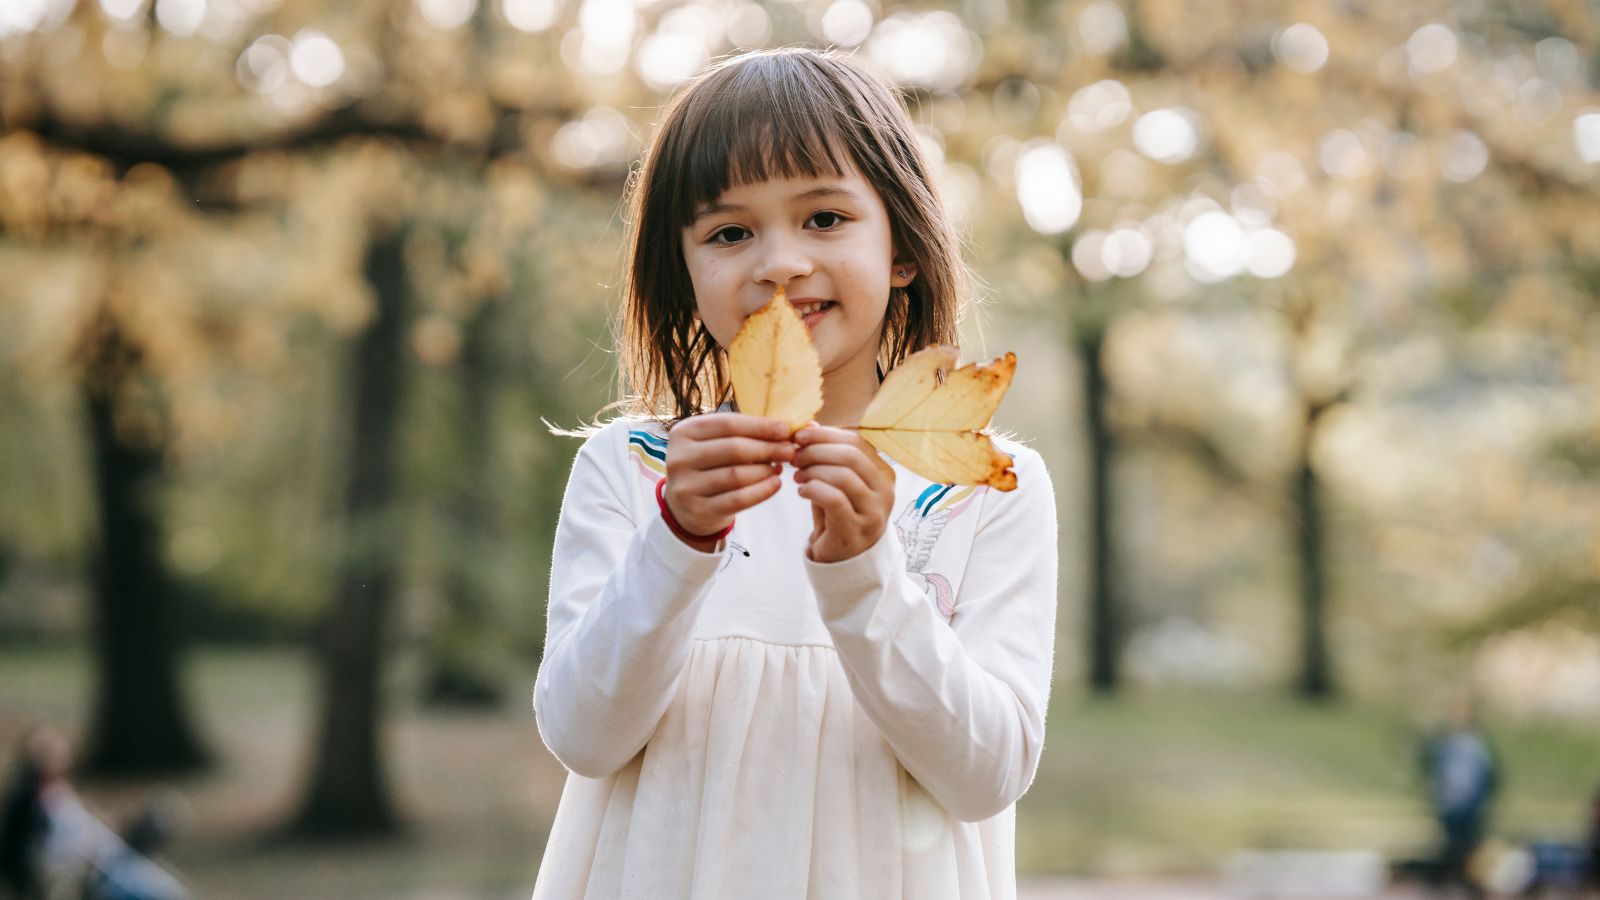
{"type": "Point", "coordinates": [751, 724]}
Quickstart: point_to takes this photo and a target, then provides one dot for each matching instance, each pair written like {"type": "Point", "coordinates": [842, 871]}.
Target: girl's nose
{"type": "Point", "coordinates": [781, 262]}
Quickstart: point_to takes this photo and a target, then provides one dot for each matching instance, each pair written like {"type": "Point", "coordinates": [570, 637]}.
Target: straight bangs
{"type": "Point", "coordinates": [748, 126]}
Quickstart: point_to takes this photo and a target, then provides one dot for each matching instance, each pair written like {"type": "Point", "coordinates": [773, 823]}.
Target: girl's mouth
{"type": "Point", "coordinates": [811, 313]}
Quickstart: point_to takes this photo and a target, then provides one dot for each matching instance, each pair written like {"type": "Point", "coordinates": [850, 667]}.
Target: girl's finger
{"type": "Point", "coordinates": [836, 507]}
{"type": "Point", "coordinates": [731, 503]}
{"type": "Point", "coordinates": [819, 434]}
{"type": "Point", "coordinates": [863, 500]}
{"type": "Point", "coordinates": [866, 465]}
{"type": "Point", "coordinates": [729, 451]}
{"type": "Point", "coordinates": [730, 478]}
{"type": "Point", "coordinates": [715, 425]}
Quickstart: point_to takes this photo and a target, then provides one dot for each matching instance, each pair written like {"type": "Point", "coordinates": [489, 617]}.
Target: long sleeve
{"type": "Point", "coordinates": [623, 603]}
{"type": "Point", "coordinates": [962, 703]}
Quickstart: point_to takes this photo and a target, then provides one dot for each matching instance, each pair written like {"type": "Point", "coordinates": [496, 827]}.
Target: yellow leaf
{"type": "Point", "coordinates": [774, 367]}
{"type": "Point", "coordinates": [929, 417]}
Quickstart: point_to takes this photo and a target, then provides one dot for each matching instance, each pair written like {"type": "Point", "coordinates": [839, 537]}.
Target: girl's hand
{"type": "Point", "coordinates": [850, 487]}
{"type": "Point", "coordinates": [721, 464]}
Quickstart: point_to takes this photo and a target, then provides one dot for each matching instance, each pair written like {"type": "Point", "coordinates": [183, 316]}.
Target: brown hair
{"type": "Point", "coordinates": [772, 114]}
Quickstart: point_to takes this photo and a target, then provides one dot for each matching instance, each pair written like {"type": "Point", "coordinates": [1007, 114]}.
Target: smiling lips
{"type": "Point", "coordinates": [812, 311]}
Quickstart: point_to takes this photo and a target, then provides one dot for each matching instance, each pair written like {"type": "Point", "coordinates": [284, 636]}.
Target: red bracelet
{"type": "Point", "coordinates": [661, 501]}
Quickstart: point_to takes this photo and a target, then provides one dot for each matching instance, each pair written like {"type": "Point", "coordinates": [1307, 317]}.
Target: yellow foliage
{"type": "Point", "coordinates": [773, 366]}
{"type": "Point", "coordinates": [929, 418]}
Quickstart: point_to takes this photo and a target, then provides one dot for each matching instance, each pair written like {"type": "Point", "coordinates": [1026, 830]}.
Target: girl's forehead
{"type": "Point", "coordinates": [847, 187]}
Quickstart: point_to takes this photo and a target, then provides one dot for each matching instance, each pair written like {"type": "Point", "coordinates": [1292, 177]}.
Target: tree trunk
{"type": "Point", "coordinates": [349, 793]}
{"type": "Point", "coordinates": [1104, 626]}
{"type": "Point", "coordinates": [141, 724]}
{"type": "Point", "coordinates": [466, 645]}
{"type": "Point", "coordinates": [1316, 668]}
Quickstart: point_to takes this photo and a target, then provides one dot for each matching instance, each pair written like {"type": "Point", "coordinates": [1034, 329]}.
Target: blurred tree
{"type": "Point", "coordinates": [348, 792]}
{"type": "Point", "coordinates": [141, 723]}
{"type": "Point", "coordinates": [1346, 174]}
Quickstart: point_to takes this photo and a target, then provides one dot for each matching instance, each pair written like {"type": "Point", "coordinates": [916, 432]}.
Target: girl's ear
{"type": "Point", "coordinates": [902, 273]}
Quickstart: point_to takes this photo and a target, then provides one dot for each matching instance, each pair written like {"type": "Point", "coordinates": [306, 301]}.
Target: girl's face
{"type": "Point", "coordinates": [826, 241]}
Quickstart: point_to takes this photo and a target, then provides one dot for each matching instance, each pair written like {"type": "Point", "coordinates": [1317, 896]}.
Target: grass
{"type": "Point", "coordinates": [1151, 785]}
{"type": "Point", "coordinates": [1176, 783]}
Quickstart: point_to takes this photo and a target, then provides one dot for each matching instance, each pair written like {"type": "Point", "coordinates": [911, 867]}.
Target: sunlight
{"type": "Point", "coordinates": [1102, 27]}
{"type": "Point", "coordinates": [668, 58]}
{"type": "Point", "coordinates": [1586, 135]}
{"type": "Point", "coordinates": [264, 65]}
{"type": "Point", "coordinates": [847, 22]}
{"type": "Point", "coordinates": [120, 10]}
{"type": "Point", "coordinates": [932, 49]}
{"type": "Point", "coordinates": [1281, 173]}
{"type": "Point", "coordinates": [1271, 253]}
{"type": "Point", "coordinates": [1088, 256]}
{"type": "Point", "coordinates": [530, 15]}
{"type": "Point", "coordinates": [749, 26]}
{"type": "Point", "coordinates": [1537, 102]}
{"type": "Point", "coordinates": [1465, 156]}
{"type": "Point", "coordinates": [1104, 104]}
{"type": "Point", "coordinates": [1342, 155]}
{"type": "Point", "coordinates": [315, 58]}
{"type": "Point", "coordinates": [1216, 247]}
{"type": "Point", "coordinates": [1126, 252]}
{"type": "Point", "coordinates": [1048, 188]}
{"type": "Point", "coordinates": [447, 14]}
{"type": "Point", "coordinates": [1169, 135]}
{"type": "Point", "coordinates": [180, 18]}
{"type": "Point", "coordinates": [1301, 47]}
{"type": "Point", "coordinates": [1432, 48]}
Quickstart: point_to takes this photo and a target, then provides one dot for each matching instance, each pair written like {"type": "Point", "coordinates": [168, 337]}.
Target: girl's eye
{"type": "Point", "coordinates": [729, 235]}
{"type": "Point", "coordinates": [827, 219]}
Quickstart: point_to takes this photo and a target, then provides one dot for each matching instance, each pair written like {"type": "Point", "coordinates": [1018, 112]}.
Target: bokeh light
{"type": "Point", "coordinates": [24, 16]}
{"type": "Point", "coordinates": [1281, 173]}
{"type": "Point", "coordinates": [847, 22]}
{"type": "Point", "coordinates": [1104, 104]}
{"type": "Point", "coordinates": [600, 139]}
{"type": "Point", "coordinates": [1342, 154]}
{"type": "Point", "coordinates": [315, 59]}
{"type": "Point", "coordinates": [1126, 252]}
{"type": "Point", "coordinates": [1465, 156]}
{"type": "Point", "coordinates": [180, 18]}
{"type": "Point", "coordinates": [1432, 48]}
{"type": "Point", "coordinates": [1301, 47]}
{"type": "Point", "coordinates": [749, 26]}
{"type": "Point", "coordinates": [1216, 247]}
{"type": "Point", "coordinates": [530, 15]}
{"type": "Point", "coordinates": [1271, 253]}
{"type": "Point", "coordinates": [1102, 27]}
{"type": "Point", "coordinates": [264, 65]}
{"type": "Point", "coordinates": [1048, 187]}
{"type": "Point", "coordinates": [1586, 135]}
{"type": "Point", "coordinates": [117, 10]}
{"type": "Point", "coordinates": [1169, 135]}
{"type": "Point", "coordinates": [447, 14]}
{"type": "Point", "coordinates": [932, 49]}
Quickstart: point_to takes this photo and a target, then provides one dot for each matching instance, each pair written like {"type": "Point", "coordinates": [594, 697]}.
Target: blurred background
{"type": "Point", "coordinates": [1306, 297]}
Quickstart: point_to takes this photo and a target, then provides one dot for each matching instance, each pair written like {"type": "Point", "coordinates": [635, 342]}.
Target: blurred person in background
{"type": "Point", "coordinates": [1594, 842]}
{"type": "Point", "coordinates": [42, 757]}
{"type": "Point", "coordinates": [51, 845]}
{"type": "Point", "coordinates": [1462, 775]}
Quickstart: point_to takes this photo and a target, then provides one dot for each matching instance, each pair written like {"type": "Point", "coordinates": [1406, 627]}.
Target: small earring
{"type": "Point", "coordinates": [901, 273]}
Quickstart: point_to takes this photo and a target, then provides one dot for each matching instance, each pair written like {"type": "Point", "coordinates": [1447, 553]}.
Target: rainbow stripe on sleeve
{"type": "Point", "coordinates": [649, 451]}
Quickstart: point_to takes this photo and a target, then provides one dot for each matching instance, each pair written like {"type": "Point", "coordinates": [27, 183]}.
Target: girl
{"type": "Point", "coordinates": [843, 694]}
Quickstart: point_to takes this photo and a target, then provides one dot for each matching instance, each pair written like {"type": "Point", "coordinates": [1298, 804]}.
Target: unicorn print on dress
{"type": "Point", "coordinates": [919, 526]}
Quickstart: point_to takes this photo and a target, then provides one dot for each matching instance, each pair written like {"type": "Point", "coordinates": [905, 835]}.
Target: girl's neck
{"type": "Point", "coordinates": [845, 396]}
